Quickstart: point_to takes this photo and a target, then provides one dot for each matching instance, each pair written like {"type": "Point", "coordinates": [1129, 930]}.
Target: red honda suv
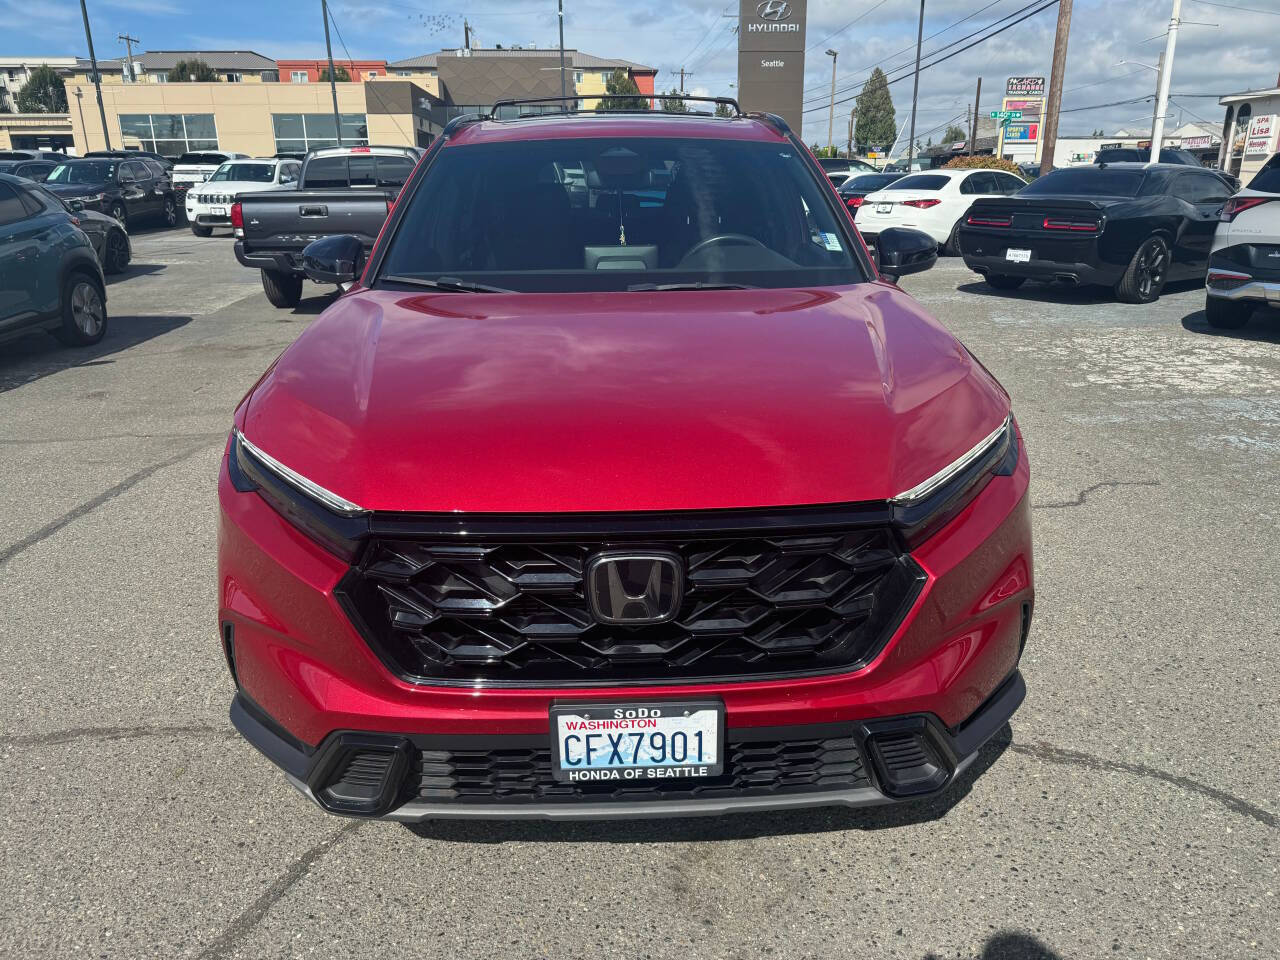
{"type": "Point", "coordinates": [622, 482]}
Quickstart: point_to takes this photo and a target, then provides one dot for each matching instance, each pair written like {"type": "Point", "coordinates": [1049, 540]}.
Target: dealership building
{"type": "Point", "coordinates": [261, 106]}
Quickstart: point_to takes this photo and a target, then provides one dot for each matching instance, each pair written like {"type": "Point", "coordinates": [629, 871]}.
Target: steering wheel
{"type": "Point", "coordinates": [734, 238]}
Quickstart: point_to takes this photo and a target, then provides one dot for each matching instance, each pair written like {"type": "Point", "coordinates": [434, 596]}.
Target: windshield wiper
{"type": "Point", "coordinates": [449, 284]}
{"type": "Point", "coordinates": [696, 285]}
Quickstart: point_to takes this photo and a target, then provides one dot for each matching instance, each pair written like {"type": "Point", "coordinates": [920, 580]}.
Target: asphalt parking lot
{"type": "Point", "coordinates": [1132, 808]}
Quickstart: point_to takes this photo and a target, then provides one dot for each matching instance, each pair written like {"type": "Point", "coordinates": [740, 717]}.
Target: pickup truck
{"type": "Point", "coordinates": [341, 190]}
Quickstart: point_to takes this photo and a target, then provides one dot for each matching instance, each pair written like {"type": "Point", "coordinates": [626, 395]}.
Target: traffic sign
{"type": "Point", "coordinates": [1006, 114]}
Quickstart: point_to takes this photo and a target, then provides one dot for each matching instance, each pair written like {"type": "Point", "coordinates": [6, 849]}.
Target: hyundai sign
{"type": "Point", "coordinates": [771, 57]}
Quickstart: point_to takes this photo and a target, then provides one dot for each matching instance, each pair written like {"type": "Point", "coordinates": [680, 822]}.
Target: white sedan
{"type": "Point", "coordinates": [209, 203]}
{"type": "Point", "coordinates": [935, 202]}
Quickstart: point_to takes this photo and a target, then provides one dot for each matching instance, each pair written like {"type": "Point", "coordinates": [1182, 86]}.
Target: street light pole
{"type": "Point", "coordinates": [333, 75]}
{"type": "Point", "coordinates": [915, 88]}
{"type": "Point", "coordinates": [97, 80]}
{"type": "Point", "coordinates": [1166, 74]}
{"type": "Point", "coordinates": [563, 106]}
{"type": "Point", "coordinates": [831, 116]}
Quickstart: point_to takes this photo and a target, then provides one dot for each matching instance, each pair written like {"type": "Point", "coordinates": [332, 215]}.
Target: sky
{"type": "Point", "coordinates": [1226, 49]}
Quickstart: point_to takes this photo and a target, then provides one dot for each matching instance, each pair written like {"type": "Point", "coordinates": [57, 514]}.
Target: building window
{"type": "Point", "coordinates": [404, 73]}
{"type": "Point", "coordinates": [235, 78]}
{"type": "Point", "coordinates": [577, 76]}
{"type": "Point", "coordinates": [372, 73]}
{"type": "Point", "coordinates": [300, 132]}
{"type": "Point", "coordinates": [171, 134]}
{"type": "Point", "coordinates": [298, 76]}
{"type": "Point", "coordinates": [161, 77]}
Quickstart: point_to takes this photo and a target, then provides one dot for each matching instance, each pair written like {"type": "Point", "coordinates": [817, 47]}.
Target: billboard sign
{"type": "Point", "coordinates": [1261, 137]}
{"type": "Point", "coordinates": [1024, 87]}
{"type": "Point", "coordinates": [1022, 132]}
{"type": "Point", "coordinates": [771, 36]}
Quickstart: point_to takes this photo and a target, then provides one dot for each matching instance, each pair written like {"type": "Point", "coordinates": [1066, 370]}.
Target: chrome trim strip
{"type": "Point", "coordinates": [326, 498]}
{"type": "Point", "coordinates": [921, 490]}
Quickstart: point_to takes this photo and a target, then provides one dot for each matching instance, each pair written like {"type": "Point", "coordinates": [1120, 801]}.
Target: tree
{"type": "Point", "coordinates": [875, 112]}
{"type": "Point", "coordinates": [341, 75]}
{"type": "Point", "coordinates": [619, 84]}
{"type": "Point", "coordinates": [954, 133]}
{"type": "Point", "coordinates": [981, 162]}
{"type": "Point", "coordinates": [192, 71]}
{"type": "Point", "coordinates": [722, 110]}
{"type": "Point", "coordinates": [674, 102]}
{"type": "Point", "coordinates": [43, 92]}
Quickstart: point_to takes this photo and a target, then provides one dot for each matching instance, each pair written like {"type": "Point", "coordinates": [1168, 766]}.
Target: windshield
{"type": "Point", "coordinates": [617, 213]}
{"type": "Point", "coordinates": [200, 160]}
{"type": "Point", "coordinates": [244, 172]}
{"type": "Point", "coordinates": [868, 182]}
{"type": "Point", "coordinates": [1085, 182]}
{"type": "Point", "coordinates": [920, 181]}
{"type": "Point", "coordinates": [87, 171]}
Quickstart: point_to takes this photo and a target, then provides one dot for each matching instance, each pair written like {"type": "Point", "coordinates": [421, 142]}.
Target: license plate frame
{"type": "Point", "coordinates": [674, 716]}
{"type": "Point", "coordinates": [882, 208]}
{"type": "Point", "coordinates": [1017, 255]}
{"type": "Point", "coordinates": [217, 211]}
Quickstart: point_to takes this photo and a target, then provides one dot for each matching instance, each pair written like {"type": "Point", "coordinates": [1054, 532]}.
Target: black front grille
{"type": "Point", "coordinates": [785, 603]}
{"type": "Point", "coordinates": [752, 768]}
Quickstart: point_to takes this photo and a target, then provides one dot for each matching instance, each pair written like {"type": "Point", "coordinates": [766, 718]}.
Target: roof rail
{"type": "Point", "coordinates": [460, 121]}
{"type": "Point", "coordinates": [574, 101]}
{"type": "Point", "coordinates": [772, 120]}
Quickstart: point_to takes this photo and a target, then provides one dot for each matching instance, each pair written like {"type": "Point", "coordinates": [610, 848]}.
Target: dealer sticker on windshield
{"type": "Point", "coordinates": [638, 742]}
{"type": "Point", "coordinates": [1018, 256]}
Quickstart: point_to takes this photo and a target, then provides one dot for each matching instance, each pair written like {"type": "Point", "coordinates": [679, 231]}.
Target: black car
{"type": "Point", "coordinates": [32, 155]}
{"type": "Point", "coordinates": [1143, 155]}
{"type": "Point", "coordinates": [165, 162]}
{"type": "Point", "coordinates": [1128, 226]}
{"type": "Point", "coordinates": [107, 234]}
{"type": "Point", "coordinates": [37, 170]}
{"type": "Point", "coordinates": [855, 189]}
{"type": "Point", "coordinates": [128, 190]}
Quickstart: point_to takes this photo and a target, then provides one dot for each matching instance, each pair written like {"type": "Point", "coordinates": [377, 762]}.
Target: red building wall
{"type": "Point", "coordinates": [359, 69]}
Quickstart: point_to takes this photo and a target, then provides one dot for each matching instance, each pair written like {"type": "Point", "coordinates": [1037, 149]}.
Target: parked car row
{"type": "Point", "coordinates": [208, 204]}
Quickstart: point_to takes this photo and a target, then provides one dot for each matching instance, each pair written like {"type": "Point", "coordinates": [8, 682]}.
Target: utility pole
{"type": "Point", "coordinates": [915, 88]}
{"type": "Point", "coordinates": [684, 73]}
{"type": "Point", "coordinates": [97, 80]}
{"type": "Point", "coordinates": [1155, 104]}
{"type": "Point", "coordinates": [973, 136]}
{"type": "Point", "coordinates": [466, 34]}
{"type": "Point", "coordinates": [333, 74]}
{"type": "Point", "coordinates": [1166, 73]}
{"type": "Point", "coordinates": [852, 113]}
{"type": "Point", "coordinates": [563, 106]}
{"type": "Point", "coordinates": [831, 117]}
{"type": "Point", "coordinates": [128, 42]}
{"type": "Point", "coordinates": [1049, 130]}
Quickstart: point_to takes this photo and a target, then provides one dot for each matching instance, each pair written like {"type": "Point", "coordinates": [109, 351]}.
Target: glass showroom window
{"type": "Point", "coordinates": [171, 134]}
{"type": "Point", "coordinates": [299, 132]}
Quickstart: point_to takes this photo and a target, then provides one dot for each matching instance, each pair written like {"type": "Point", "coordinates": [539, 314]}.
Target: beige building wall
{"type": "Point", "coordinates": [422, 76]}
{"type": "Point", "coordinates": [242, 112]}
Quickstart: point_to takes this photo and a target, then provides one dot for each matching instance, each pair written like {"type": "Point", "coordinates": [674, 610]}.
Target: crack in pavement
{"type": "Point", "coordinates": [1052, 754]}
{"type": "Point", "coordinates": [49, 529]}
{"type": "Point", "coordinates": [35, 441]}
{"type": "Point", "coordinates": [1084, 494]}
{"type": "Point", "coordinates": [249, 918]}
{"type": "Point", "coordinates": [111, 733]}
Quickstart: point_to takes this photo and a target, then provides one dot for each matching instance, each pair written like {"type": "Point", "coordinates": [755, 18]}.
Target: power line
{"type": "Point", "coordinates": [1045, 6]}
{"type": "Point", "coordinates": [351, 60]}
{"type": "Point", "coordinates": [1232, 6]}
{"type": "Point", "coordinates": [911, 63]}
{"type": "Point", "coordinates": [706, 35]}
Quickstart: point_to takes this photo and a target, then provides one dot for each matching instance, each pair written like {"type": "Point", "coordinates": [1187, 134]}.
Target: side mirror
{"type": "Point", "coordinates": [901, 250]}
{"type": "Point", "coordinates": [337, 259]}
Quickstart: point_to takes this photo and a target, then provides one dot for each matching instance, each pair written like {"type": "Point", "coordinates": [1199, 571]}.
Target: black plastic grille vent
{"type": "Point", "coordinates": [516, 612]}
{"type": "Point", "coordinates": [752, 768]}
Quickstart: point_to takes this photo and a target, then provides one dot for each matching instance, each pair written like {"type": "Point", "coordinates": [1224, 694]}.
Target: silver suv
{"type": "Point", "coordinates": [1244, 262]}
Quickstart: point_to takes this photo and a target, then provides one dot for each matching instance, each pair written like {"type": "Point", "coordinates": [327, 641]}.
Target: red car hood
{"type": "Point", "coordinates": [632, 401]}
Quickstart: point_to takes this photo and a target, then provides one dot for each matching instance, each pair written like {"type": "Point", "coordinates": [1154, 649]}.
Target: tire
{"type": "Point", "coordinates": [84, 310]}
{"type": "Point", "coordinates": [1147, 272]}
{"type": "Point", "coordinates": [282, 289]}
{"type": "Point", "coordinates": [1002, 281]}
{"type": "Point", "coordinates": [1227, 314]}
{"type": "Point", "coordinates": [952, 247]}
{"type": "Point", "coordinates": [118, 211]}
{"type": "Point", "coordinates": [170, 213]}
{"type": "Point", "coordinates": [201, 231]}
{"type": "Point", "coordinates": [115, 255]}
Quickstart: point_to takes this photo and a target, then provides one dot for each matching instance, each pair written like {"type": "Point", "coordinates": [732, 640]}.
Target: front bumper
{"type": "Point", "coordinates": [877, 777]}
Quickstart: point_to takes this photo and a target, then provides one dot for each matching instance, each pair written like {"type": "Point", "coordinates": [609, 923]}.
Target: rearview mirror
{"type": "Point", "coordinates": [901, 250]}
{"type": "Point", "coordinates": [337, 259]}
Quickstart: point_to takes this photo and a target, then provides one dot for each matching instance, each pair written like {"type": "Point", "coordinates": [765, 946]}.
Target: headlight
{"type": "Point", "coordinates": [331, 520]}
{"type": "Point", "coordinates": [930, 504]}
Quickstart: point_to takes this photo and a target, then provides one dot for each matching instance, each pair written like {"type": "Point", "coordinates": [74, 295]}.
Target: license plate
{"type": "Point", "coordinates": [217, 211]}
{"type": "Point", "coordinates": [1018, 256]}
{"type": "Point", "coordinates": [883, 207]}
{"type": "Point", "coordinates": [637, 742]}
